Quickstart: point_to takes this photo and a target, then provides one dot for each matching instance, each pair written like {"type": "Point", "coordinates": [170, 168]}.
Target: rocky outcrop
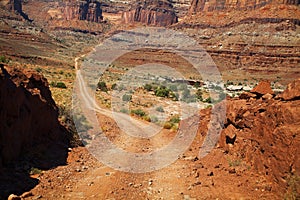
{"type": "Point", "coordinates": [212, 5]}
{"type": "Point", "coordinates": [156, 13]}
{"type": "Point", "coordinates": [265, 134]}
{"type": "Point", "coordinates": [89, 10]}
{"type": "Point", "coordinates": [292, 91]}
{"type": "Point", "coordinates": [28, 114]}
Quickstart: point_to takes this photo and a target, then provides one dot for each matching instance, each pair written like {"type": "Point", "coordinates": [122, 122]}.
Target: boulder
{"type": "Point", "coordinates": [263, 87]}
{"type": "Point", "coordinates": [292, 91]}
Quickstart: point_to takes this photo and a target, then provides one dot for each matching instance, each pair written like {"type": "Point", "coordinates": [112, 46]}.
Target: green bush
{"type": "Point", "coordinates": [102, 86]}
{"type": "Point", "coordinates": [162, 91]}
{"type": "Point", "coordinates": [124, 110]}
{"type": "Point", "coordinates": [114, 86]}
{"type": "Point", "coordinates": [58, 85]}
{"type": "Point", "coordinates": [154, 119]}
{"type": "Point", "coordinates": [160, 109]}
{"type": "Point", "coordinates": [148, 87]}
{"type": "Point", "coordinates": [175, 119]}
{"type": "Point", "coordinates": [3, 59]}
{"type": "Point", "coordinates": [61, 85]}
{"type": "Point", "coordinates": [127, 97]}
{"type": "Point", "coordinates": [147, 118]}
{"type": "Point", "coordinates": [138, 112]}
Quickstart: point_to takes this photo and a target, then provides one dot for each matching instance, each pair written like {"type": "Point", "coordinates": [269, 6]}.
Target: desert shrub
{"type": "Point", "coordinates": [34, 171]}
{"type": "Point", "coordinates": [148, 87]}
{"type": "Point", "coordinates": [168, 125]}
{"type": "Point", "coordinates": [160, 109]}
{"type": "Point", "coordinates": [175, 119]}
{"type": "Point", "coordinates": [147, 118]}
{"type": "Point", "coordinates": [173, 88]}
{"type": "Point", "coordinates": [114, 86]}
{"type": "Point", "coordinates": [126, 97]}
{"type": "Point", "coordinates": [197, 85]}
{"type": "Point", "coordinates": [102, 86]}
{"type": "Point", "coordinates": [61, 85]}
{"type": "Point", "coordinates": [58, 85]}
{"type": "Point", "coordinates": [154, 119]}
{"type": "Point", "coordinates": [3, 59]}
{"type": "Point", "coordinates": [124, 110]}
{"type": "Point", "coordinates": [162, 91]}
{"type": "Point", "coordinates": [138, 112]}
{"type": "Point", "coordinates": [38, 69]}
{"type": "Point", "coordinates": [199, 94]}
{"type": "Point", "coordinates": [208, 100]}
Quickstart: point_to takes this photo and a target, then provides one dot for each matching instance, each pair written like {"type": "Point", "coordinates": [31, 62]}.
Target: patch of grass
{"type": "Point", "coordinates": [234, 163]}
{"type": "Point", "coordinates": [34, 171]}
{"type": "Point", "coordinates": [293, 191]}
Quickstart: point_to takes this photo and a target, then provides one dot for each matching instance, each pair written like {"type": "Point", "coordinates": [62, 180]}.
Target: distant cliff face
{"type": "Point", "coordinates": [89, 10]}
{"type": "Point", "coordinates": [156, 13]}
{"type": "Point", "coordinates": [212, 5]}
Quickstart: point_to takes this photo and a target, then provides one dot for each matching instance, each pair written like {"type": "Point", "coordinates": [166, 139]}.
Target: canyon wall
{"type": "Point", "coordinates": [89, 10]}
{"type": "Point", "coordinates": [212, 5]}
{"type": "Point", "coordinates": [156, 13]}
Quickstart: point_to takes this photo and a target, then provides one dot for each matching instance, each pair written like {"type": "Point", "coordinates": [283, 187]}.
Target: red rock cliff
{"type": "Point", "coordinates": [211, 5]}
{"type": "Point", "coordinates": [89, 10]}
{"type": "Point", "coordinates": [28, 114]}
{"type": "Point", "coordinates": [156, 13]}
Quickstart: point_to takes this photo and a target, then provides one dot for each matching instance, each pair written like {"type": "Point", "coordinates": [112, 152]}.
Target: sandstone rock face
{"type": "Point", "coordinates": [89, 10]}
{"type": "Point", "coordinates": [292, 91]}
{"type": "Point", "coordinates": [263, 87]}
{"type": "Point", "coordinates": [265, 134]}
{"type": "Point", "coordinates": [28, 114]}
{"type": "Point", "coordinates": [212, 5]}
{"type": "Point", "coordinates": [156, 13]}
